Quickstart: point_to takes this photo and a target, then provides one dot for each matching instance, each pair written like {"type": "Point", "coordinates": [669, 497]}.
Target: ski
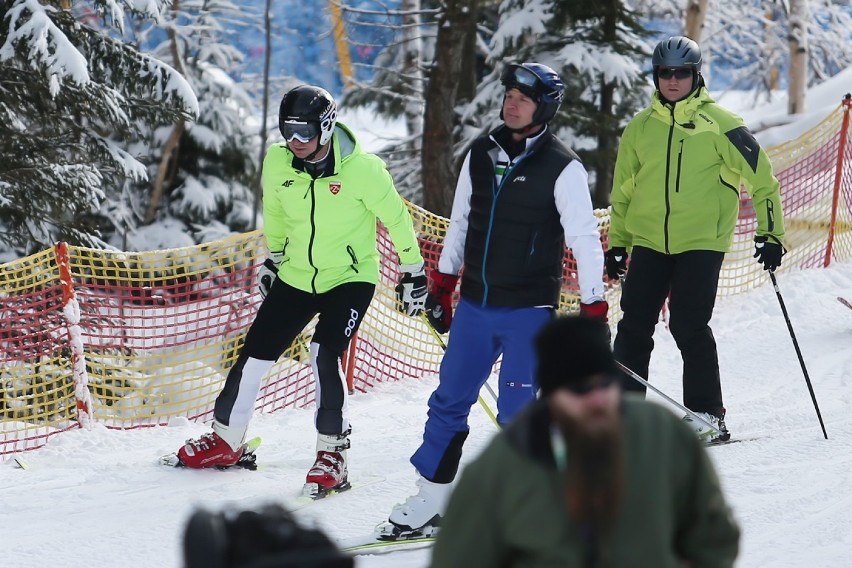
{"type": "Point", "coordinates": [304, 499]}
{"type": "Point", "coordinates": [845, 302]}
{"type": "Point", "coordinates": [389, 538]}
{"type": "Point", "coordinates": [247, 461]}
{"type": "Point", "coordinates": [373, 546]}
{"type": "Point", "coordinates": [730, 441]}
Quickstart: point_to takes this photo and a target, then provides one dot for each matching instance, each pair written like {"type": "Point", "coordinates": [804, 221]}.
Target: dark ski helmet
{"type": "Point", "coordinates": [538, 82]}
{"type": "Point", "coordinates": [305, 112]}
{"type": "Point", "coordinates": [677, 51]}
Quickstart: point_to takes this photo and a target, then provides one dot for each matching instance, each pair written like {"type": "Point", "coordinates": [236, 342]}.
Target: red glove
{"type": "Point", "coordinates": [439, 301]}
{"type": "Point", "coordinates": [596, 310]}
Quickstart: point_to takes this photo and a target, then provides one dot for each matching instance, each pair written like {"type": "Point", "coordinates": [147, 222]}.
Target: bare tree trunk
{"type": "Point", "coordinates": [798, 19]}
{"type": "Point", "coordinates": [438, 168]}
{"type": "Point", "coordinates": [171, 146]}
{"type": "Point", "coordinates": [696, 13]}
{"type": "Point", "coordinates": [258, 178]}
{"type": "Point", "coordinates": [468, 79]}
{"type": "Point", "coordinates": [607, 135]}
{"type": "Point", "coordinates": [412, 70]}
{"type": "Point", "coordinates": [772, 73]}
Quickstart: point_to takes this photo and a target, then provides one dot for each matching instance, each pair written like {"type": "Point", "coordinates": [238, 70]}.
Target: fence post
{"type": "Point", "coordinates": [349, 363]}
{"type": "Point", "coordinates": [838, 177]}
{"type": "Point", "coordinates": [71, 313]}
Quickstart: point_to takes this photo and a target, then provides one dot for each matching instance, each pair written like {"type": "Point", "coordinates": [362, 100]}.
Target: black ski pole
{"type": "Point", "coordinates": [798, 351]}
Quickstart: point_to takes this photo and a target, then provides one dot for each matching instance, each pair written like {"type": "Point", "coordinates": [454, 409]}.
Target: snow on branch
{"type": "Point", "coordinates": [596, 59]}
{"type": "Point", "coordinates": [46, 43]}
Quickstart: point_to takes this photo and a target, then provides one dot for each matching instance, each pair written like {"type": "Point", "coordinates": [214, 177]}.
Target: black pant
{"type": "Point", "coordinates": [690, 279]}
{"type": "Point", "coordinates": [282, 316]}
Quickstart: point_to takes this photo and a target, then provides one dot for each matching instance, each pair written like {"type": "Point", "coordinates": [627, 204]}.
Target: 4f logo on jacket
{"type": "Point", "coordinates": [287, 183]}
{"type": "Point", "coordinates": [334, 187]}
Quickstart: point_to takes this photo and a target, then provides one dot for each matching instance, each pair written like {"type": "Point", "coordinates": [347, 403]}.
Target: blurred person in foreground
{"type": "Point", "coordinates": [322, 194]}
{"type": "Point", "coordinates": [587, 476]}
{"type": "Point", "coordinates": [522, 197]}
{"type": "Point", "coordinates": [267, 538]}
{"type": "Point", "coordinates": [675, 201]}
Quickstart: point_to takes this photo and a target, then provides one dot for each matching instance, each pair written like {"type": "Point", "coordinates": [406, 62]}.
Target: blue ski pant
{"type": "Point", "coordinates": [478, 336]}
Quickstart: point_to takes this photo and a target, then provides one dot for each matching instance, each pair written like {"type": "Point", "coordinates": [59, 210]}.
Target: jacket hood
{"type": "Point", "coordinates": [345, 145]}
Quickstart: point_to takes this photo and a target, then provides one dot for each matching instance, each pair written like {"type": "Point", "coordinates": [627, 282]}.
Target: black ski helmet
{"type": "Point", "coordinates": [540, 83]}
{"type": "Point", "coordinates": [677, 51]}
{"type": "Point", "coordinates": [311, 105]}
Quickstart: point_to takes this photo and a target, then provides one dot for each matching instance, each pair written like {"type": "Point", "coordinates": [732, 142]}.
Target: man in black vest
{"type": "Point", "coordinates": [521, 197]}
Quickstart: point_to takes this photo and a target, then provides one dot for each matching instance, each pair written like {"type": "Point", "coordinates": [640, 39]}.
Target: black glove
{"type": "Point", "coordinates": [411, 290]}
{"type": "Point", "coordinates": [268, 272]}
{"type": "Point", "coordinates": [616, 262]}
{"type": "Point", "coordinates": [768, 253]}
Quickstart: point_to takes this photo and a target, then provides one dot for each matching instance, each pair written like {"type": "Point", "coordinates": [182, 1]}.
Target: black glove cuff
{"type": "Point", "coordinates": [270, 264]}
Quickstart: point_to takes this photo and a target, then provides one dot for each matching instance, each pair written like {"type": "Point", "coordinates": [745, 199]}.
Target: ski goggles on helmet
{"type": "Point", "coordinates": [302, 131]}
{"type": "Point", "coordinates": [523, 79]}
{"type": "Point", "coordinates": [676, 72]}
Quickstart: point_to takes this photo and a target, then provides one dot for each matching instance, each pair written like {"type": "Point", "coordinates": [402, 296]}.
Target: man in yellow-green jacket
{"type": "Point", "coordinates": [322, 195]}
{"type": "Point", "coordinates": [675, 202]}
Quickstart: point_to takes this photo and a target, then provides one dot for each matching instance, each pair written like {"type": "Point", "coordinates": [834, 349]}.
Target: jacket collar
{"type": "Point", "coordinates": [684, 110]}
{"type": "Point", "coordinates": [502, 136]}
{"type": "Point", "coordinates": [344, 144]}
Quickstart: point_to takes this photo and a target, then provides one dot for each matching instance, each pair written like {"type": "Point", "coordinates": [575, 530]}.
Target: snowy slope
{"type": "Point", "coordinates": [96, 499]}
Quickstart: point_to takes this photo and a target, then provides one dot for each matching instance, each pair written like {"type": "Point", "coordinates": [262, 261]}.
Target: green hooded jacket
{"type": "Point", "coordinates": [326, 227]}
{"type": "Point", "coordinates": [508, 509]}
{"type": "Point", "coordinates": [677, 179]}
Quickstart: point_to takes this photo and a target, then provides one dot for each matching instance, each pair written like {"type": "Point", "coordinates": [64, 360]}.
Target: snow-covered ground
{"type": "Point", "coordinates": [97, 499]}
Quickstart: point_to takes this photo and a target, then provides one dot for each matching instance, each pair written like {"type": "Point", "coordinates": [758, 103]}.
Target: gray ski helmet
{"type": "Point", "coordinates": [677, 51]}
{"type": "Point", "coordinates": [540, 83]}
{"type": "Point", "coordinates": [308, 105]}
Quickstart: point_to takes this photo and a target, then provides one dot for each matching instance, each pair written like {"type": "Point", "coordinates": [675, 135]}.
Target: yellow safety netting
{"type": "Point", "coordinates": [154, 333]}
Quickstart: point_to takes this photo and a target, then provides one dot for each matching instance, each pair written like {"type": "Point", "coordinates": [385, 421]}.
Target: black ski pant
{"type": "Point", "coordinates": [282, 316]}
{"type": "Point", "coordinates": [690, 280]}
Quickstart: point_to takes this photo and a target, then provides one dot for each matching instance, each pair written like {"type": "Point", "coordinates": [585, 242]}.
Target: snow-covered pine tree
{"type": "Point", "coordinates": [202, 171]}
{"type": "Point", "coordinates": [598, 47]}
{"type": "Point", "coordinates": [746, 45]}
{"type": "Point", "coordinates": [71, 98]}
{"type": "Point", "coordinates": [407, 37]}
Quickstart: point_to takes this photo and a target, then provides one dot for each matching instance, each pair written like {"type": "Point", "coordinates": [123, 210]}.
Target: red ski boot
{"type": "Point", "coordinates": [213, 449]}
{"type": "Point", "coordinates": [329, 473]}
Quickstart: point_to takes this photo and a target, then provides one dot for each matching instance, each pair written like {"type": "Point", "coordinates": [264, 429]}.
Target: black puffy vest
{"type": "Point", "coordinates": [515, 244]}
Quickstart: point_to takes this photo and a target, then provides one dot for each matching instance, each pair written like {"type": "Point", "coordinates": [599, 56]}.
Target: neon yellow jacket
{"type": "Point", "coordinates": [326, 228]}
{"type": "Point", "coordinates": [677, 179]}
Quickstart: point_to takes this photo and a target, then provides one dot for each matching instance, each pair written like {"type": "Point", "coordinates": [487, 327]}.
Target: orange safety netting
{"type": "Point", "coordinates": [135, 339]}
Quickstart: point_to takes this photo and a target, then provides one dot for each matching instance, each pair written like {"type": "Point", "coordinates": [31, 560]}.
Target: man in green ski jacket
{"type": "Point", "coordinates": [585, 477]}
{"type": "Point", "coordinates": [675, 201]}
{"type": "Point", "coordinates": [322, 195]}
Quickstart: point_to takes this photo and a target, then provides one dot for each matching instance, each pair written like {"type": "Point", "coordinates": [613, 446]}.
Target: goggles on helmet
{"type": "Point", "coordinates": [520, 77]}
{"type": "Point", "coordinates": [302, 131]}
{"type": "Point", "coordinates": [681, 73]}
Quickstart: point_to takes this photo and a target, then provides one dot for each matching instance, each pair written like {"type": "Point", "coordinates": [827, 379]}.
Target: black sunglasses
{"type": "Point", "coordinates": [676, 72]}
{"type": "Point", "coordinates": [303, 131]}
{"type": "Point", "coordinates": [588, 386]}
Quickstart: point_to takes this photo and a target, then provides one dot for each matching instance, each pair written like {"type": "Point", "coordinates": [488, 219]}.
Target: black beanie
{"type": "Point", "coordinates": [571, 349]}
